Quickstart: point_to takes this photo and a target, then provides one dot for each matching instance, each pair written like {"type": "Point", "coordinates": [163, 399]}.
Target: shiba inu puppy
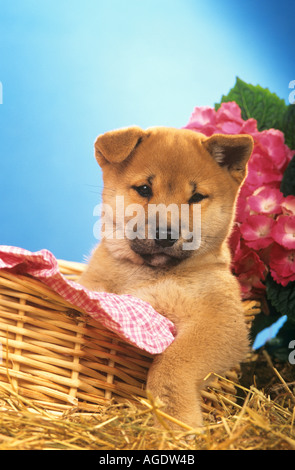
{"type": "Point", "coordinates": [180, 265]}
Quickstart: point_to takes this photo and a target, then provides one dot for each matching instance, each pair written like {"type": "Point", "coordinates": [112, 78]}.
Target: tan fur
{"type": "Point", "coordinates": [196, 291]}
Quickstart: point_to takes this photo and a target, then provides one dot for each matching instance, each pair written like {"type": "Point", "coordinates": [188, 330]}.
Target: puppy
{"type": "Point", "coordinates": [181, 267]}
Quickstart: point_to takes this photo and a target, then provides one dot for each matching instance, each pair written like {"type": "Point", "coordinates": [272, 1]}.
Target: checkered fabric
{"type": "Point", "coordinates": [132, 319]}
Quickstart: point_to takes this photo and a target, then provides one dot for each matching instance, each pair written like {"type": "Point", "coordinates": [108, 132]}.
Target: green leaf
{"type": "Point", "coordinates": [288, 182]}
{"type": "Point", "coordinates": [258, 103]}
{"type": "Point", "coordinates": [281, 297]}
{"type": "Point", "coordinates": [289, 126]}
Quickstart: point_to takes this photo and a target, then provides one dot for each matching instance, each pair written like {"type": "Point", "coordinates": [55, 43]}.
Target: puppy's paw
{"type": "Point", "coordinates": [176, 416]}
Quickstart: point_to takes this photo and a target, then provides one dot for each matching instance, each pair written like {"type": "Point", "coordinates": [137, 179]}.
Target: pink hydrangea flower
{"type": "Point", "coordinates": [247, 261]}
{"type": "Point", "coordinates": [228, 118]}
{"type": "Point", "coordinates": [272, 141]}
{"type": "Point", "coordinates": [247, 266]}
{"type": "Point", "coordinates": [257, 231]}
{"type": "Point", "coordinates": [251, 285]}
{"type": "Point", "coordinates": [282, 264]}
{"type": "Point", "coordinates": [235, 241]}
{"type": "Point", "coordinates": [266, 200]}
{"type": "Point", "coordinates": [283, 232]}
{"type": "Point", "coordinates": [262, 171]}
{"type": "Point", "coordinates": [243, 210]}
{"type": "Point", "coordinates": [288, 205]}
{"type": "Point", "coordinates": [203, 119]}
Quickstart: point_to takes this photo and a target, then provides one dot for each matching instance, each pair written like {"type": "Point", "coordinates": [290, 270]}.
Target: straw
{"type": "Point", "coordinates": [260, 424]}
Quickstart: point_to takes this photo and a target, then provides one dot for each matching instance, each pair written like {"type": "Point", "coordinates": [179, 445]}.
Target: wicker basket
{"type": "Point", "coordinates": [60, 358]}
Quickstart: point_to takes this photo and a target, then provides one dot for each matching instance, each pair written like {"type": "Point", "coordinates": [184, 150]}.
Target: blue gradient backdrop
{"type": "Point", "coordinates": [71, 70]}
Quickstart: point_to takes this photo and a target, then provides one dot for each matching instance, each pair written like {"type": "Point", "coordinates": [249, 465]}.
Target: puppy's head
{"type": "Point", "coordinates": [169, 194]}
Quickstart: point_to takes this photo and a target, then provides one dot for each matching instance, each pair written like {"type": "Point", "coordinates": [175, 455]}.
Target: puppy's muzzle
{"type": "Point", "coordinates": [162, 247]}
{"type": "Point", "coordinates": [165, 237]}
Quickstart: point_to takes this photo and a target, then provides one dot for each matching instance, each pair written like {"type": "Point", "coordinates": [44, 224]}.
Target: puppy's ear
{"type": "Point", "coordinates": [116, 146]}
{"type": "Point", "coordinates": [231, 152]}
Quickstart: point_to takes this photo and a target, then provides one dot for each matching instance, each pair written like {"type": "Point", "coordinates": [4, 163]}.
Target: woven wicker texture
{"type": "Point", "coordinates": [59, 357]}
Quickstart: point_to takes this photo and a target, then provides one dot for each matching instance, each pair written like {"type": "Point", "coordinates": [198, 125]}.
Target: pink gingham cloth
{"type": "Point", "coordinates": [130, 318]}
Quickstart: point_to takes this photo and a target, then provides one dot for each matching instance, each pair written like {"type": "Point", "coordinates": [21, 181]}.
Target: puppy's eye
{"type": "Point", "coordinates": [197, 197]}
{"type": "Point", "coordinates": [144, 190]}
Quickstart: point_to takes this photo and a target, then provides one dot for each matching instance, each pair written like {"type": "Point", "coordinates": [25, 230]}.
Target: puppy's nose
{"type": "Point", "coordinates": [165, 237]}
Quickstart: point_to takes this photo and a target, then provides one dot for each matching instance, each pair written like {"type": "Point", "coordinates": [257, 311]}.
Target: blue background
{"type": "Point", "coordinates": [71, 70]}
